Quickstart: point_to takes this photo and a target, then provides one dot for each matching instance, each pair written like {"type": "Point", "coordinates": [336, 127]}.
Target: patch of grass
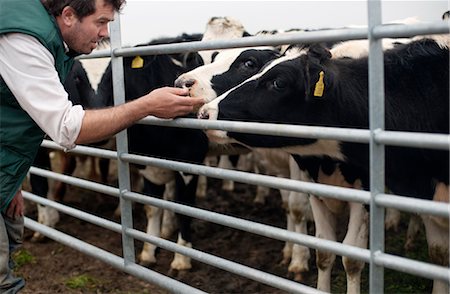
{"type": "Point", "coordinates": [82, 282]}
{"type": "Point", "coordinates": [22, 257]}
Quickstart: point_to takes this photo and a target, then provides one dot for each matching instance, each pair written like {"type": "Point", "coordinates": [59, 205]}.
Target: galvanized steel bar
{"type": "Point", "coordinates": [414, 205]}
{"type": "Point", "coordinates": [345, 194]}
{"type": "Point", "coordinates": [101, 222]}
{"type": "Point", "coordinates": [236, 268]}
{"type": "Point", "coordinates": [410, 30]}
{"type": "Point", "coordinates": [409, 139]}
{"type": "Point", "coordinates": [376, 136]}
{"type": "Point", "coordinates": [117, 262]}
{"type": "Point", "coordinates": [379, 31]}
{"type": "Point", "coordinates": [417, 268]}
{"type": "Point", "coordinates": [394, 138]}
{"type": "Point", "coordinates": [377, 163]}
{"type": "Point", "coordinates": [253, 227]}
{"type": "Point", "coordinates": [344, 134]}
{"type": "Point", "coordinates": [100, 188]}
{"type": "Point", "coordinates": [80, 149]}
{"type": "Point", "coordinates": [273, 40]}
{"type": "Point", "coordinates": [122, 142]}
{"type": "Point", "coordinates": [233, 267]}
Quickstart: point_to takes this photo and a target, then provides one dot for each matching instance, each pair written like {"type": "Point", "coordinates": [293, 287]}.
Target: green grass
{"type": "Point", "coordinates": [22, 257]}
{"type": "Point", "coordinates": [83, 281]}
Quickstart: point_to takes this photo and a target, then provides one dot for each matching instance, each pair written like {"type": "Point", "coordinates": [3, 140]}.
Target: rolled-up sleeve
{"type": "Point", "coordinates": [28, 69]}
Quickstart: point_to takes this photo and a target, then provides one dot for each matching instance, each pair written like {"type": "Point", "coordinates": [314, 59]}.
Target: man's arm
{"type": "Point", "coordinates": [164, 102]}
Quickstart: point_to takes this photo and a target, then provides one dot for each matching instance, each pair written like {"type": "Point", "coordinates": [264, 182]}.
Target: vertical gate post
{"type": "Point", "coordinates": [122, 143]}
{"type": "Point", "coordinates": [377, 160]}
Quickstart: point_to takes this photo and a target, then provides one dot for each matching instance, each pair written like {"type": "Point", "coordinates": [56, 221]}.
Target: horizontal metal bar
{"type": "Point", "coordinates": [344, 134]}
{"type": "Point", "coordinates": [414, 205]}
{"type": "Point", "coordinates": [272, 40]}
{"type": "Point", "coordinates": [345, 194]}
{"type": "Point", "coordinates": [101, 188]}
{"type": "Point", "coordinates": [196, 254]}
{"type": "Point", "coordinates": [393, 138]}
{"type": "Point", "coordinates": [80, 149]}
{"type": "Point", "coordinates": [233, 267]}
{"type": "Point", "coordinates": [253, 227]}
{"type": "Point", "coordinates": [342, 34]}
{"type": "Point", "coordinates": [410, 30]}
{"type": "Point", "coordinates": [101, 222]}
{"type": "Point", "coordinates": [413, 139]}
{"type": "Point", "coordinates": [115, 261]}
{"type": "Point", "coordinates": [413, 267]}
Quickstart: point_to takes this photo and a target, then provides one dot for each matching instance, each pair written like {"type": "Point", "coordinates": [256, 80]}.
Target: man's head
{"type": "Point", "coordinates": [83, 23]}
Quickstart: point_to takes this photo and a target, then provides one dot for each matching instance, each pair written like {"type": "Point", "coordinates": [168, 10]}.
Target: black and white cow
{"type": "Point", "coordinates": [417, 91]}
{"type": "Point", "coordinates": [228, 69]}
{"type": "Point", "coordinates": [188, 145]}
{"type": "Point", "coordinates": [231, 67]}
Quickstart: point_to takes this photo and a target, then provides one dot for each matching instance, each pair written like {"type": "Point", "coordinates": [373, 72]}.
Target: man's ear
{"type": "Point", "coordinates": [68, 16]}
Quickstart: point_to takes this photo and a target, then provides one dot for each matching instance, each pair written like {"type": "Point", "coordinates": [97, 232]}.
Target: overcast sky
{"type": "Point", "coordinates": [144, 20]}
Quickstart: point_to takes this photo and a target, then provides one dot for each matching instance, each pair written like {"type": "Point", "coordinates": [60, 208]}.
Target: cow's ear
{"type": "Point", "coordinates": [318, 53]}
{"type": "Point", "coordinates": [317, 76]}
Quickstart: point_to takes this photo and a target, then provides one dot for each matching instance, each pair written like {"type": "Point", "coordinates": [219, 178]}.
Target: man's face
{"type": "Point", "coordinates": [83, 35]}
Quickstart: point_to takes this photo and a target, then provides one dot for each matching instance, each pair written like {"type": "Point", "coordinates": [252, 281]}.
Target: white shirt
{"type": "Point", "coordinates": [28, 69]}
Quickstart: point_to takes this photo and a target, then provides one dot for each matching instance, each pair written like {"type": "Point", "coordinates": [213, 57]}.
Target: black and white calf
{"type": "Point", "coordinates": [143, 74]}
{"type": "Point", "coordinates": [228, 69]}
{"type": "Point", "coordinates": [416, 91]}
{"type": "Point", "coordinates": [231, 67]}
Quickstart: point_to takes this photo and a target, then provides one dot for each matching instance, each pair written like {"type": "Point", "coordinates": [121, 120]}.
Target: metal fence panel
{"type": "Point", "coordinates": [375, 136]}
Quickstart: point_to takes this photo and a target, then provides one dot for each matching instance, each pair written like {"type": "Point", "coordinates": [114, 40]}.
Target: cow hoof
{"type": "Point", "coordinates": [146, 260]}
{"type": "Point", "coordinates": [38, 238]}
{"type": "Point", "coordinates": [147, 263]}
{"type": "Point", "coordinates": [298, 277]}
{"type": "Point", "coordinates": [181, 262]}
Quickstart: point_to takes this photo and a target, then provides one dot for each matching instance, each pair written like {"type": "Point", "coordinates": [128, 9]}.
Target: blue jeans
{"type": "Point", "coordinates": [11, 236]}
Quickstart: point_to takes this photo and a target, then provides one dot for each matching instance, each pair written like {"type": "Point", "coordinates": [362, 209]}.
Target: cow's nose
{"type": "Point", "coordinates": [184, 83]}
{"type": "Point", "coordinates": [203, 114]}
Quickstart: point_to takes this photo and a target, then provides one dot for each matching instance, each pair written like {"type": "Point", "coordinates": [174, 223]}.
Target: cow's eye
{"type": "Point", "coordinates": [279, 84]}
{"type": "Point", "coordinates": [249, 63]}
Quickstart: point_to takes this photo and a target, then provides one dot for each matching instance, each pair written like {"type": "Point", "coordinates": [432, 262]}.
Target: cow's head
{"type": "Point", "coordinates": [228, 69]}
{"type": "Point", "coordinates": [288, 90]}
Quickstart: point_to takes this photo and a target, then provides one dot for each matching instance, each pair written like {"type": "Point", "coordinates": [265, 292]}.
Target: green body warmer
{"type": "Point", "coordinates": [20, 137]}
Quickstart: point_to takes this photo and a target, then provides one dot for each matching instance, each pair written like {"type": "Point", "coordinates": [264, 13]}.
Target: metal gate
{"type": "Point", "coordinates": [376, 198]}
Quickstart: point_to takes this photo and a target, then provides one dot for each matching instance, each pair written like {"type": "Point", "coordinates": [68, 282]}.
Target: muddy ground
{"type": "Point", "coordinates": [50, 267]}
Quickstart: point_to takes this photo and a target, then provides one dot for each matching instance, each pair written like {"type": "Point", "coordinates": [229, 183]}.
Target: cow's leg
{"type": "Point", "coordinates": [185, 193]}
{"type": "Point", "coordinates": [147, 255]}
{"type": "Point", "coordinates": [40, 186]}
{"type": "Point", "coordinates": [437, 231]}
{"type": "Point", "coordinates": [202, 186]}
{"type": "Point", "coordinates": [414, 226]}
{"type": "Point", "coordinates": [103, 165]}
{"type": "Point", "coordinates": [357, 235]}
{"type": "Point", "coordinates": [68, 164]}
{"type": "Point", "coordinates": [226, 163]}
{"type": "Point", "coordinates": [258, 168]}
{"type": "Point", "coordinates": [325, 223]}
{"type": "Point", "coordinates": [287, 249]}
{"type": "Point", "coordinates": [169, 223]}
{"type": "Point", "coordinates": [392, 219]}
{"type": "Point", "coordinates": [300, 212]}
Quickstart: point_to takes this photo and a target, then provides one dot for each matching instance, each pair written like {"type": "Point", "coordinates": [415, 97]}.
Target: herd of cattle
{"type": "Point", "coordinates": [299, 84]}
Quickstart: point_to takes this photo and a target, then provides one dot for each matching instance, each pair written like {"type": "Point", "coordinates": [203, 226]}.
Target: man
{"type": "Point", "coordinates": [38, 42]}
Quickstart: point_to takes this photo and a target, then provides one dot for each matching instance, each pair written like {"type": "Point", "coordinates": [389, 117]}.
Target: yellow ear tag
{"type": "Point", "coordinates": [137, 62]}
{"type": "Point", "coordinates": [318, 90]}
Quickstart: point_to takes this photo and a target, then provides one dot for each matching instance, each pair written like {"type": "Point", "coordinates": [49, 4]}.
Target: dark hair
{"type": "Point", "coordinates": [82, 7]}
